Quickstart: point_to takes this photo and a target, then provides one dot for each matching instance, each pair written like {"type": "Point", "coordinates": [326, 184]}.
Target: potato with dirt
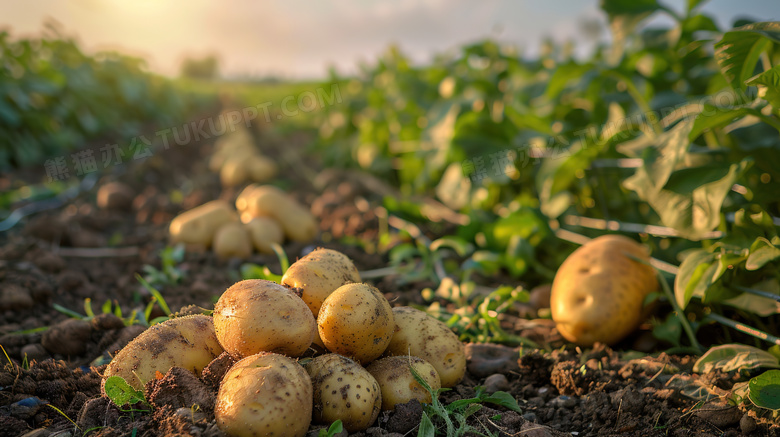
{"type": "Point", "coordinates": [344, 390]}
{"type": "Point", "coordinates": [598, 294]}
{"type": "Point", "coordinates": [421, 335]}
{"type": "Point", "coordinates": [232, 240]}
{"type": "Point", "coordinates": [188, 342]}
{"type": "Point", "coordinates": [397, 383]}
{"type": "Point", "coordinates": [318, 274]}
{"type": "Point", "coordinates": [264, 232]}
{"type": "Point", "coordinates": [198, 225]}
{"type": "Point", "coordinates": [356, 321]}
{"type": "Point", "coordinates": [265, 394]}
{"type": "Point", "coordinates": [297, 221]}
{"type": "Point", "coordinates": [256, 315]}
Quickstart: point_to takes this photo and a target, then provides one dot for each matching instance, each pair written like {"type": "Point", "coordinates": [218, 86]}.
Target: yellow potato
{"type": "Point", "coordinates": [265, 395]}
{"type": "Point", "coordinates": [198, 225]}
{"type": "Point", "coordinates": [599, 291]}
{"type": "Point", "coordinates": [188, 342]}
{"type": "Point", "coordinates": [356, 321]}
{"type": "Point", "coordinates": [262, 316]}
{"type": "Point", "coordinates": [298, 222]}
{"type": "Point", "coordinates": [397, 383]}
{"type": "Point", "coordinates": [232, 240]}
{"type": "Point", "coordinates": [233, 173]}
{"type": "Point", "coordinates": [242, 201]}
{"type": "Point", "coordinates": [421, 335]}
{"type": "Point", "coordinates": [318, 274]}
{"type": "Point", "coordinates": [260, 168]}
{"type": "Point", "coordinates": [263, 232]}
{"type": "Point", "coordinates": [343, 390]}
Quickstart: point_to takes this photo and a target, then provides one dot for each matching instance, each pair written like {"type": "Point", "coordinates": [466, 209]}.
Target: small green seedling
{"type": "Point", "coordinates": [454, 416]}
{"type": "Point", "coordinates": [121, 393]}
{"type": "Point", "coordinates": [335, 428]}
{"type": "Point", "coordinates": [254, 271]}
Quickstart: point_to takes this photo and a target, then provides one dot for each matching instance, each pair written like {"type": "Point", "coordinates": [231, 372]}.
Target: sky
{"type": "Point", "coordinates": [300, 39]}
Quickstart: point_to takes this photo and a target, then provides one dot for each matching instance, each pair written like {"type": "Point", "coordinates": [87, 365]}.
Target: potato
{"type": "Point", "coordinates": [242, 201]}
{"type": "Point", "coordinates": [262, 316]}
{"type": "Point", "coordinates": [260, 168]}
{"type": "Point", "coordinates": [263, 232]}
{"type": "Point", "coordinates": [318, 274]}
{"type": "Point", "coordinates": [233, 173]}
{"type": "Point", "coordinates": [598, 293]}
{"type": "Point", "coordinates": [397, 383]}
{"type": "Point", "coordinates": [356, 321]}
{"type": "Point", "coordinates": [265, 394]}
{"type": "Point", "coordinates": [188, 342]}
{"type": "Point", "coordinates": [198, 225]}
{"type": "Point", "coordinates": [266, 200]}
{"type": "Point", "coordinates": [420, 335]}
{"type": "Point", "coordinates": [232, 240]}
{"type": "Point", "coordinates": [343, 390]}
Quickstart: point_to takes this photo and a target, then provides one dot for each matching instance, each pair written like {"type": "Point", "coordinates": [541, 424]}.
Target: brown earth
{"type": "Point", "coordinates": [50, 382]}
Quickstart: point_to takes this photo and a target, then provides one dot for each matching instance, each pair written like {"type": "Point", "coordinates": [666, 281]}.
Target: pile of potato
{"type": "Point", "coordinates": [362, 351]}
{"type": "Point", "coordinates": [263, 215]}
{"type": "Point", "coordinates": [238, 161]}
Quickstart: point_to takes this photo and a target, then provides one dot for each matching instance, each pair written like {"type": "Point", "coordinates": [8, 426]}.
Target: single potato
{"type": "Point", "coordinates": [298, 222]}
{"type": "Point", "coordinates": [265, 395]}
{"type": "Point", "coordinates": [233, 172]}
{"type": "Point", "coordinates": [598, 293]}
{"type": "Point", "coordinates": [198, 225]}
{"type": "Point", "coordinates": [343, 390]}
{"type": "Point", "coordinates": [318, 274]}
{"type": "Point", "coordinates": [420, 335]}
{"type": "Point", "coordinates": [263, 232]}
{"type": "Point", "coordinates": [260, 168]}
{"type": "Point", "coordinates": [356, 321]}
{"type": "Point", "coordinates": [397, 383]}
{"type": "Point", "coordinates": [262, 316]}
{"type": "Point", "coordinates": [232, 240]}
{"type": "Point", "coordinates": [188, 342]}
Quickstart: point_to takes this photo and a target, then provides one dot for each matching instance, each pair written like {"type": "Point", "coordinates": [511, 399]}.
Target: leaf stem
{"type": "Point", "coordinates": [745, 329]}
{"type": "Point", "coordinates": [679, 312]}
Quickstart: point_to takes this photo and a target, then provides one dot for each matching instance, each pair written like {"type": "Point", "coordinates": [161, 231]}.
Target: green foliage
{"type": "Point", "coordinates": [254, 271]}
{"type": "Point", "coordinates": [54, 97]}
{"type": "Point", "coordinates": [206, 67]}
{"type": "Point", "coordinates": [734, 357]}
{"type": "Point", "coordinates": [334, 428]}
{"type": "Point", "coordinates": [452, 418]}
{"type": "Point", "coordinates": [764, 390]}
{"type": "Point", "coordinates": [121, 393]}
{"type": "Point", "coordinates": [170, 274]}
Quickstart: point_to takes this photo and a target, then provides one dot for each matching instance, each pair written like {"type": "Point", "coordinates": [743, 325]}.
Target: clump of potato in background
{"type": "Point", "coordinates": [265, 394]}
{"type": "Point", "coordinates": [268, 201]}
{"type": "Point", "coordinates": [397, 383]}
{"type": "Point", "coordinates": [356, 321]}
{"type": "Point", "coordinates": [420, 335]}
{"type": "Point", "coordinates": [343, 390]}
{"type": "Point", "coordinates": [262, 316]}
{"type": "Point", "coordinates": [232, 240]}
{"type": "Point", "coordinates": [599, 291]}
{"type": "Point", "coordinates": [237, 160]}
{"type": "Point", "coordinates": [198, 225]}
{"type": "Point", "coordinates": [318, 274]}
{"type": "Point", "coordinates": [264, 231]}
{"type": "Point", "coordinates": [189, 342]}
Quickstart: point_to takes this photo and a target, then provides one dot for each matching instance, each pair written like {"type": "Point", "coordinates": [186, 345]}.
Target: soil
{"type": "Point", "coordinates": [50, 381]}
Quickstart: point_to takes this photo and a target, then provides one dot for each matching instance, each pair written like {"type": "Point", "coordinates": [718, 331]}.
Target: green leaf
{"type": "Point", "coordinates": [730, 357]}
{"type": "Point", "coordinates": [670, 330]}
{"type": "Point", "coordinates": [759, 305]}
{"type": "Point", "coordinates": [458, 244]}
{"type": "Point", "coordinates": [738, 51]}
{"type": "Point", "coordinates": [426, 428]}
{"type": "Point", "coordinates": [121, 393]}
{"type": "Point", "coordinates": [712, 116]}
{"type": "Point", "coordinates": [334, 428]}
{"type": "Point", "coordinates": [691, 273]}
{"type": "Point", "coordinates": [693, 4]}
{"type": "Point", "coordinates": [762, 252]}
{"type": "Point", "coordinates": [768, 83]}
{"type": "Point", "coordinates": [765, 390]}
{"type": "Point", "coordinates": [503, 399]}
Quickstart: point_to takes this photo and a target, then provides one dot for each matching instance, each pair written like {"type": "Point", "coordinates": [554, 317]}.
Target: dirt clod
{"type": "Point", "coordinates": [67, 338]}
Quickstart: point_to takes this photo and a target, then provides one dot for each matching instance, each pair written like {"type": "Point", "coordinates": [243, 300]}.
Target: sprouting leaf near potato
{"type": "Point", "coordinates": [598, 293]}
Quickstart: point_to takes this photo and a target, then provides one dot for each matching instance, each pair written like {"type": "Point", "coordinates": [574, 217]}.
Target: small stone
{"type": "Point", "coordinates": [539, 297]}
{"type": "Point", "coordinates": [496, 382]}
{"type": "Point", "coordinates": [747, 424]}
{"type": "Point", "coordinates": [14, 298]}
{"type": "Point", "coordinates": [115, 196]}
{"type": "Point", "coordinates": [50, 262]}
{"type": "Point", "coordinates": [191, 414]}
{"type": "Point", "coordinates": [564, 401]}
{"type": "Point", "coordinates": [486, 359]}
{"type": "Point", "coordinates": [530, 416]}
{"type": "Point", "coordinates": [719, 413]}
